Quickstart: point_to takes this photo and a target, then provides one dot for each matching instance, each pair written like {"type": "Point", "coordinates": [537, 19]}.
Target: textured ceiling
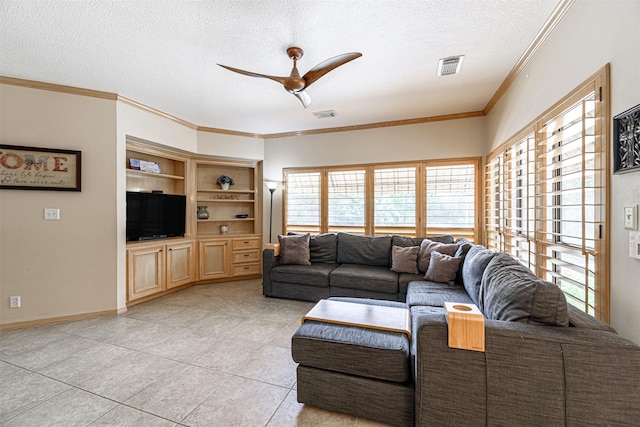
{"type": "Point", "coordinates": [164, 54]}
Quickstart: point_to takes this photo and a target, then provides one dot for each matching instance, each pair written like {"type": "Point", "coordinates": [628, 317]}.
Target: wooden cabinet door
{"type": "Point", "coordinates": [181, 267]}
{"type": "Point", "coordinates": [145, 271]}
{"type": "Point", "coordinates": [213, 259]}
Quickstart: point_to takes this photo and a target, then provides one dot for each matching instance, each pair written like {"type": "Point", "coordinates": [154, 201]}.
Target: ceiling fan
{"type": "Point", "coordinates": [294, 83]}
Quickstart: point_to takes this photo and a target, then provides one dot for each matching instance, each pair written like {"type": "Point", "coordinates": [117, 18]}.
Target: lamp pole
{"type": "Point", "coordinates": [271, 185]}
{"type": "Point", "coordinates": [271, 213]}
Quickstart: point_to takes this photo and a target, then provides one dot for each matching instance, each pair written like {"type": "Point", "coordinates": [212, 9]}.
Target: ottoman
{"type": "Point", "coordinates": [355, 370]}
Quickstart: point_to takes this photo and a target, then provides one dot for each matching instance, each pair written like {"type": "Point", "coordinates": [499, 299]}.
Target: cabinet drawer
{"type": "Point", "coordinates": [246, 243]}
{"type": "Point", "coordinates": [246, 256]}
{"type": "Point", "coordinates": [240, 270]}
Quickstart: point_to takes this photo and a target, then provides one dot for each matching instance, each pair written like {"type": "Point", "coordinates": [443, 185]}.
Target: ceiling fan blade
{"type": "Point", "coordinates": [280, 80]}
{"type": "Point", "coordinates": [303, 97]}
{"type": "Point", "coordinates": [325, 66]}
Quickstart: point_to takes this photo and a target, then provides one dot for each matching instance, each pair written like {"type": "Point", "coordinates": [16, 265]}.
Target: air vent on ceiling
{"type": "Point", "coordinates": [325, 114]}
{"type": "Point", "coordinates": [450, 65]}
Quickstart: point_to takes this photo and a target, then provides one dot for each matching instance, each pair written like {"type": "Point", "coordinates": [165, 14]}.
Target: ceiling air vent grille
{"type": "Point", "coordinates": [450, 65]}
{"type": "Point", "coordinates": [325, 114]}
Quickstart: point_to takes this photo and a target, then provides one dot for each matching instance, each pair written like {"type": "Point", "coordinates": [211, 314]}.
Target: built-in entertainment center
{"type": "Point", "coordinates": [171, 242]}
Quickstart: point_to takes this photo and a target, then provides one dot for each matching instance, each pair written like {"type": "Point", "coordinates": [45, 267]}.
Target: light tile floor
{"type": "Point", "coordinates": [209, 355]}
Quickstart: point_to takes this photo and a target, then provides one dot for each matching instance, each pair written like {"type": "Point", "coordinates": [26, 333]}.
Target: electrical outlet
{"type": "Point", "coordinates": [51, 214]}
{"type": "Point", "coordinates": [15, 302]}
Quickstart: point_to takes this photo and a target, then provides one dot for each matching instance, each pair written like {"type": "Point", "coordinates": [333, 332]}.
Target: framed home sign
{"type": "Point", "coordinates": [31, 168]}
{"type": "Point", "coordinates": [626, 140]}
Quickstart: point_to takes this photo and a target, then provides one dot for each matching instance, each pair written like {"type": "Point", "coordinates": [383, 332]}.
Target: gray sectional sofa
{"type": "Point", "coordinates": [545, 362]}
{"type": "Point", "coordinates": [341, 264]}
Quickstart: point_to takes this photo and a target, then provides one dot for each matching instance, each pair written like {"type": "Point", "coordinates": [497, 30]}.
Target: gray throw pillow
{"type": "Point", "coordinates": [472, 269]}
{"type": "Point", "coordinates": [427, 246]}
{"type": "Point", "coordinates": [442, 268]}
{"type": "Point", "coordinates": [511, 292]}
{"type": "Point", "coordinates": [294, 249]}
{"type": "Point", "coordinates": [404, 260]}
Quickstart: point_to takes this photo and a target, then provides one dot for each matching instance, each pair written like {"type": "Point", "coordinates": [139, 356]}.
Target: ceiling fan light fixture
{"type": "Point", "coordinates": [450, 65]}
{"type": "Point", "coordinates": [324, 114]}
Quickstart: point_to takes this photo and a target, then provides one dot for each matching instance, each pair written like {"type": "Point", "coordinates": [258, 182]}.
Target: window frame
{"type": "Point", "coordinates": [548, 253]}
{"type": "Point", "coordinates": [421, 227]}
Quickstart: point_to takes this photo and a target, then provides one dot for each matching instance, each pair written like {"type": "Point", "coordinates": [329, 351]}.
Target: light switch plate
{"type": "Point", "coordinates": [631, 217]}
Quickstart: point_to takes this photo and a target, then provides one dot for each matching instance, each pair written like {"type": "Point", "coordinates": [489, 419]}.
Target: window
{"type": "Point", "coordinates": [450, 193]}
{"type": "Point", "coordinates": [346, 196]}
{"type": "Point", "coordinates": [394, 195]}
{"type": "Point", "coordinates": [302, 210]}
{"type": "Point", "coordinates": [571, 176]}
{"type": "Point", "coordinates": [545, 198]}
{"type": "Point", "coordinates": [413, 199]}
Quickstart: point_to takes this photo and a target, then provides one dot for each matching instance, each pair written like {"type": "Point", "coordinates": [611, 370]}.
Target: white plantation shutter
{"type": "Point", "coordinates": [493, 195]}
{"type": "Point", "coordinates": [303, 202]}
{"type": "Point", "coordinates": [346, 201]}
{"type": "Point", "coordinates": [395, 201]}
{"type": "Point", "coordinates": [450, 200]}
{"type": "Point", "coordinates": [545, 199]}
{"type": "Point", "coordinates": [572, 177]}
{"type": "Point", "coordinates": [389, 198]}
{"type": "Point", "coordinates": [519, 203]}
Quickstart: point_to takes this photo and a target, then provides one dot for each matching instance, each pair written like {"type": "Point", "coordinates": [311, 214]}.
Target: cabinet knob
{"type": "Point", "coordinates": [246, 254]}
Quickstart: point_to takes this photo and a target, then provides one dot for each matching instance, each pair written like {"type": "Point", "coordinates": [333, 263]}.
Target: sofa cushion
{"type": "Point", "coordinates": [323, 248]}
{"type": "Point", "coordinates": [427, 246]}
{"type": "Point", "coordinates": [435, 294]}
{"type": "Point", "coordinates": [511, 292]}
{"type": "Point", "coordinates": [294, 249]}
{"type": "Point", "coordinates": [363, 352]}
{"type": "Point", "coordinates": [472, 269]}
{"type": "Point", "coordinates": [365, 277]}
{"type": "Point", "coordinates": [314, 274]}
{"type": "Point", "coordinates": [364, 250]}
{"type": "Point", "coordinates": [404, 279]}
{"type": "Point", "coordinates": [404, 260]}
{"type": "Point", "coordinates": [442, 268]}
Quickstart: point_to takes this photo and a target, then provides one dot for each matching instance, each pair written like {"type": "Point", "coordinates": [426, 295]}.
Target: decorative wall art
{"type": "Point", "coordinates": [626, 140]}
{"type": "Point", "coordinates": [31, 168]}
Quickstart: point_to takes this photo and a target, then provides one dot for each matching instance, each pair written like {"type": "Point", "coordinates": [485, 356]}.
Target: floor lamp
{"type": "Point", "coordinates": [271, 185]}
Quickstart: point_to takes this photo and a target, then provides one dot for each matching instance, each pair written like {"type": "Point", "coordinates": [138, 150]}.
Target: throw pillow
{"type": "Point", "coordinates": [294, 249]}
{"type": "Point", "coordinates": [511, 292]}
{"type": "Point", "coordinates": [427, 246]}
{"type": "Point", "coordinates": [405, 260]}
{"type": "Point", "coordinates": [442, 268]}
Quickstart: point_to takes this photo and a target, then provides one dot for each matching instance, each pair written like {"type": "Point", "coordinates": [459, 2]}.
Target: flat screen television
{"type": "Point", "coordinates": [155, 215]}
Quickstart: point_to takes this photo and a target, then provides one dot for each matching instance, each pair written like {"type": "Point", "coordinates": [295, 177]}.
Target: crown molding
{"type": "Point", "coordinates": [391, 123]}
{"type": "Point", "coordinates": [548, 27]}
{"type": "Point", "coordinates": [230, 132]}
{"type": "Point", "coordinates": [57, 88]}
{"type": "Point", "coordinates": [142, 106]}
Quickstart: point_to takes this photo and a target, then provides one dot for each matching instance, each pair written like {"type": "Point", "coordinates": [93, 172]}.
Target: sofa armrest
{"type": "Point", "coordinates": [528, 374]}
{"type": "Point", "coordinates": [269, 260]}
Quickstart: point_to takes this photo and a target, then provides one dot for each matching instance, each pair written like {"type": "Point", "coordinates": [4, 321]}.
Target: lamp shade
{"type": "Point", "coordinates": [271, 185]}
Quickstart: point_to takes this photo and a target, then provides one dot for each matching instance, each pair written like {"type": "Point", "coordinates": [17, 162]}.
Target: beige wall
{"type": "Point", "coordinates": [239, 147]}
{"type": "Point", "coordinates": [65, 267]}
{"type": "Point", "coordinates": [592, 34]}
{"type": "Point", "coordinates": [436, 140]}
